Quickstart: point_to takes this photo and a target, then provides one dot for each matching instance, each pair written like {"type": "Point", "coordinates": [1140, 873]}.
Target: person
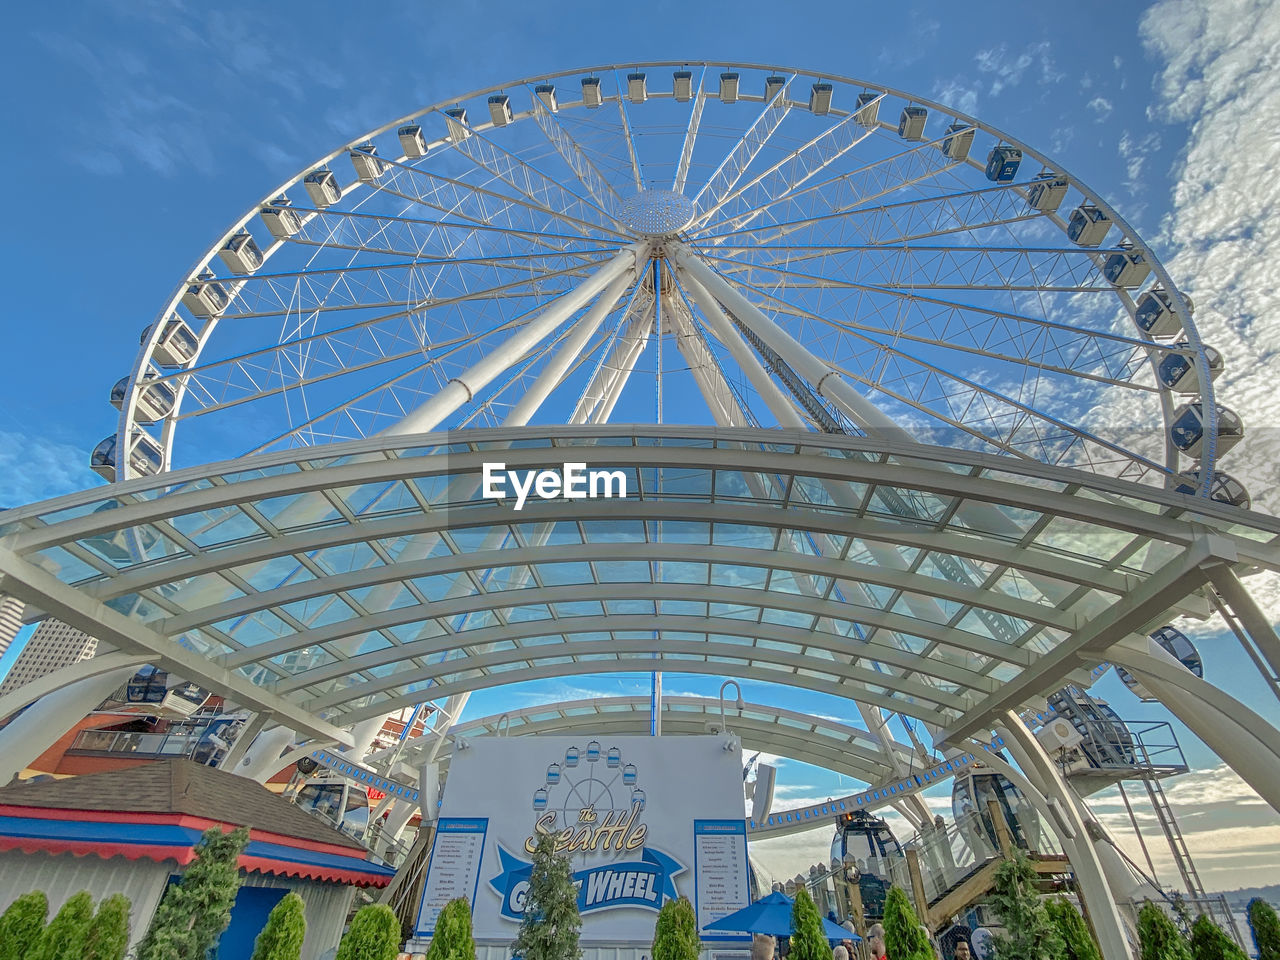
{"type": "Point", "coordinates": [840, 953]}
{"type": "Point", "coordinates": [962, 951]}
{"type": "Point", "coordinates": [762, 946]}
{"type": "Point", "coordinates": [875, 947]}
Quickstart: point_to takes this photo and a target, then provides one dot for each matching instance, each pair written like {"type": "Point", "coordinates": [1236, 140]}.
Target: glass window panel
{"type": "Point", "coordinates": [298, 510]}
{"type": "Point", "coordinates": [318, 611]}
{"type": "Point", "coordinates": [578, 608]}
{"type": "Point", "coordinates": [623, 571]}
{"type": "Point", "coordinates": [744, 535]}
{"type": "Point", "coordinates": [683, 608]}
{"type": "Point", "coordinates": [629, 607]}
{"type": "Point", "coordinates": [558, 574]}
{"type": "Point", "coordinates": [527, 612]}
{"type": "Point", "coordinates": [614, 531]}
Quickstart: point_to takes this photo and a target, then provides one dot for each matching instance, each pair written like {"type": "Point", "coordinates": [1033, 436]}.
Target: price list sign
{"type": "Point", "coordinates": [454, 870]}
{"type": "Point", "coordinates": [720, 865]}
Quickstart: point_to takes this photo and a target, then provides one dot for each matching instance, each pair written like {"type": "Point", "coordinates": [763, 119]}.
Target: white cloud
{"type": "Point", "coordinates": [1008, 69]}
{"type": "Point", "coordinates": [1101, 107]}
{"type": "Point", "coordinates": [958, 94]}
{"type": "Point", "coordinates": [36, 468]}
{"type": "Point", "coordinates": [1219, 76]}
{"type": "Point", "coordinates": [1135, 154]}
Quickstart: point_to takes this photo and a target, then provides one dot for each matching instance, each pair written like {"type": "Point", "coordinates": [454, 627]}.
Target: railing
{"type": "Point", "coordinates": [946, 856]}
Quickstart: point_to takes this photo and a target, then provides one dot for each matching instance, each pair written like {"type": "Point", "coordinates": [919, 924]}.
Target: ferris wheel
{"type": "Point", "coordinates": [743, 245]}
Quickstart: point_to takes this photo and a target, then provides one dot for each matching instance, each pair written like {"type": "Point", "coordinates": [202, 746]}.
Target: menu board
{"type": "Point", "coordinates": [454, 869]}
{"type": "Point", "coordinates": [720, 869]}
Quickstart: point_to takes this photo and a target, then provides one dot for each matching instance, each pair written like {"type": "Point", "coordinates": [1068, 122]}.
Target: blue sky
{"type": "Point", "coordinates": [141, 128]}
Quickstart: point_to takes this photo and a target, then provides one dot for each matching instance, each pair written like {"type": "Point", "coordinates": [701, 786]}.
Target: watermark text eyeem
{"type": "Point", "coordinates": [572, 482]}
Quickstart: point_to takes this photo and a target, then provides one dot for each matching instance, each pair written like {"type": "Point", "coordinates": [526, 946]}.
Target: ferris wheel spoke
{"type": "Point", "coordinates": [605, 196]}
{"type": "Point", "coordinates": [615, 364]}
{"type": "Point", "coordinates": [794, 170]}
{"type": "Point", "coordinates": [418, 238]}
{"type": "Point", "coordinates": [980, 410]}
{"type": "Point", "coordinates": [375, 408]}
{"type": "Point", "coordinates": [943, 268]}
{"type": "Point", "coordinates": [993, 334]}
{"type": "Point", "coordinates": [630, 140]}
{"type": "Point", "coordinates": [742, 154]}
{"type": "Point", "coordinates": [909, 221]}
{"type": "Point", "coordinates": [536, 187]}
{"type": "Point", "coordinates": [1116, 370]}
{"type": "Point", "coordinates": [265, 372]}
{"type": "Point", "coordinates": [478, 204]}
{"type": "Point", "coordinates": [387, 286]}
{"type": "Point", "coordinates": [690, 136]}
{"type": "Point", "coordinates": [872, 180]}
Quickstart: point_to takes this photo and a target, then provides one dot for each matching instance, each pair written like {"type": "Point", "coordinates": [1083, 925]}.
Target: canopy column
{"type": "Point", "coordinates": [1244, 740]}
{"type": "Point", "coordinates": [1069, 815]}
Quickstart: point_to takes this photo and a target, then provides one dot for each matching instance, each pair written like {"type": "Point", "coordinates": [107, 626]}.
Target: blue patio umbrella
{"type": "Point", "coordinates": [772, 915]}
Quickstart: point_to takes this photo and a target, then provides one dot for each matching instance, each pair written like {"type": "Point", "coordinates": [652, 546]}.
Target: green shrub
{"type": "Point", "coordinates": [22, 924]}
{"type": "Point", "coordinates": [109, 932]}
{"type": "Point", "coordinates": [281, 938]}
{"type": "Point", "coordinates": [1159, 936]}
{"type": "Point", "coordinates": [1029, 934]}
{"type": "Point", "coordinates": [675, 935]}
{"type": "Point", "coordinates": [452, 939]}
{"type": "Point", "coordinates": [808, 942]}
{"type": "Point", "coordinates": [1266, 929]}
{"type": "Point", "coordinates": [903, 937]}
{"type": "Point", "coordinates": [1077, 942]}
{"type": "Point", "coordinates": [374, 934]}
{"type": "Point", "coordinates": [194, 911]}
{"type": "Point", "coordinates": [1208, 942]}
{"type": "Point", "coordinates": [64, 937]}
{"type": "Point", "coordinates": [550, 924]}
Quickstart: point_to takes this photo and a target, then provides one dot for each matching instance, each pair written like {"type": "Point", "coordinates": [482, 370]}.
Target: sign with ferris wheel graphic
{"type": "Point", "coordinates": [631, 813]}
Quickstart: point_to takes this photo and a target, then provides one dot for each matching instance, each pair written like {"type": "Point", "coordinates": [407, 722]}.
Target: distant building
{"type": "Point", "coordinates": [54, 645]}
{"type": "Point", "coordinates": [10, 620]}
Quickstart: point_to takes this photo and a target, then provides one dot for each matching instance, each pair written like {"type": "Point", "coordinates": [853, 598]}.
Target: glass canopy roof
{"type": "Point", "coordinates": [924, 580]}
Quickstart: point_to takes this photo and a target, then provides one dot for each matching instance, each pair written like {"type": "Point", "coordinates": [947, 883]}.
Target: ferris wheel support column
{"type": "Point", "coordinates": [1063, 805]}
{"type": "Point", "coordinates": [573, 344]}
{"type": "Point", "coordinates": [465, 386]}
{"type": "Point", "coordinates": [778, 405]}
{"type": "Point", "coordinates": [827, 382]}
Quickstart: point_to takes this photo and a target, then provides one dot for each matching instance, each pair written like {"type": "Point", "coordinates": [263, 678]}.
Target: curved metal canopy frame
{"type": "Point", "coordinates": [820, 741]}
{"type": "Point", "coordinates": [344, 585]}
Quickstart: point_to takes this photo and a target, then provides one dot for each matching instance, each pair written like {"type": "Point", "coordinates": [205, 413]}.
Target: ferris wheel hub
{"type": "Point", "coordinates": [657, 213]}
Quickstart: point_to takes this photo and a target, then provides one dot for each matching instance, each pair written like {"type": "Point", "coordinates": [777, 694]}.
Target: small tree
{"type": "Point", "coordinates": [64, 937]}
{"type": "Point", "coordinates": [550, 925]}
{"type": "Point", "coordinates": [374, 934]}
{"type": "Point", "coordinates": [1265, 926]}
{"type": "Point", "coordinates": [808, 942]}
{"type": "Point", "coordinates": [194, 911]}
{"type": "Point", "coordinates": [1029, 933]}
{"type": "Point", "coordinates": [1077, 942]}
{"type": "Point", "coordinates": [675, 935]}
{"type": "Point", "coordinates": [1209, 942]}
{"type": "Point", "coordinates": [1159, 936]}
{"type": "Point", "coordinates": [281, 938]}
{"type": "Point", "coordinates": [22, 924]}
{"type": "Point", "coordinates": [109, 932]}
{"type": "Point", "coordinates": [452, 939]}
{"type": "Point", "coordinates": [903, 937]}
